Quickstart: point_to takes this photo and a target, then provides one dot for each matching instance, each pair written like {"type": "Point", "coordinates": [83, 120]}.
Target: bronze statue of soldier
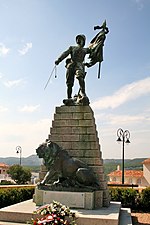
{"type": "Point", "coordinates": [75, 66]}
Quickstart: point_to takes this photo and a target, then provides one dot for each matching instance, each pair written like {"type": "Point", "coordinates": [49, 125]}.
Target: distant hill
{"type": "Point", "coordinates": [109, 164]}
{"type": "Point", "coordinates": [128, 162]}
{"type": "Point", "coordinates": [32, 160]}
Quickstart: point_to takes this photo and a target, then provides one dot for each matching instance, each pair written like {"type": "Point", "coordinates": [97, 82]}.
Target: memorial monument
{"type": "Point", "coordinates": [72, 170]}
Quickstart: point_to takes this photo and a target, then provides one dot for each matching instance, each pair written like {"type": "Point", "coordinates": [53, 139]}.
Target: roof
{"type": "Point", "coordinates": [3, 165]}
{"type": "Point", "coordinates": [146, 161]}
{"type": "Point", "coordinates": [127, 173]}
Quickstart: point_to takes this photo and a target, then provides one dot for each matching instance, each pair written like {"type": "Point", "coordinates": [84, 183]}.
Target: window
{"type": "Point", "coordinates": [114, 179]}
{"type": "Point", "coordinates": [139, 181]}
{"type": "Point", "coordinates": [130, 180]}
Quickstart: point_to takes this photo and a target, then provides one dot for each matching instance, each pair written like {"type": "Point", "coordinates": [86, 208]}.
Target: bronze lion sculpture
{"type": "Point", "coordinates": [63, 169]}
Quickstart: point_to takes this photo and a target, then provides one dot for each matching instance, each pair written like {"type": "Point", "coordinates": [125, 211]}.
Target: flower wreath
{"type": "Point", "coordinates": [54, 214]}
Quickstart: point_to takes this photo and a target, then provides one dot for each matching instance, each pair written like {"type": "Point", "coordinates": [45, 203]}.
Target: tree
{"type": "Point", "coordinates": [19, 174]}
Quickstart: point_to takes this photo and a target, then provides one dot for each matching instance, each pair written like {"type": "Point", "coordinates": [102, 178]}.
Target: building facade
{"type": "Point", "coordinates": [136, 177]}
{"type": "Point", "coordinates": [3, 172]}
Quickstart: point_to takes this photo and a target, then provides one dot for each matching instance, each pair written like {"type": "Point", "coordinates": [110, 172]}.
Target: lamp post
{"type": "Point", "coordinates": [123, 136]}
{"type": "Point", "coordinates": [19, 150]}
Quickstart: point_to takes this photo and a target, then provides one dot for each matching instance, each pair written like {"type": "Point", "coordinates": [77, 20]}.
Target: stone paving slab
{"type": "Point", "coordinates": [11, 223]}
{"type": "Point", "coordinates": [23, 212]}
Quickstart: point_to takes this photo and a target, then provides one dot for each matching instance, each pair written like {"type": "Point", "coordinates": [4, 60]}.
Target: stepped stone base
{"type": "Point", "coordinates": [23, 212]}
{"type": "Point", "coordinates": [74, 129]}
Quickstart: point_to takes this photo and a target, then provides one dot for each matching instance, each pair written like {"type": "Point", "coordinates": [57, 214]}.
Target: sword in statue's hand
{"type": "Point", "coordinates": [54, 69]}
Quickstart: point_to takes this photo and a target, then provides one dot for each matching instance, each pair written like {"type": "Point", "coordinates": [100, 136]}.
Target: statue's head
{"type": "Point", "coordinates": [80, 39]}
{"type": "Point", "coordinates": [49, 149]}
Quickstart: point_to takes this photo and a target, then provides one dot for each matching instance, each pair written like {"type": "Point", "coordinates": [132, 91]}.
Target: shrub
{"type": "Point", "coordinates": [145, 199]}
{"type": "Point", "coordinates": [132, 198]}
{"type": "Point", "coordinates": [126, 196]}
{"type": "Point", "coordinates": [6, 182]}
{"type": "Point", "coordinates": [11, 196]}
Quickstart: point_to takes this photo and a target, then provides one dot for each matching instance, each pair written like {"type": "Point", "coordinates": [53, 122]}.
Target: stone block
{"type": "Point", "coordinates": [38, 197]}
{"type": "Point", "coordinates": [61, 130]}
{"type": "Point", "coordinates": [59, 123]}
{"type": "Point", "coordinates": [86, 123]}
{"type": "Point", "coordinates": [79, 130]}
{"type": "Point", "coordinates": [65, 145]}
{"type": "Point", "coordinates": [81, 145]}
{"type": "Point", "coordinates": [98, 199]}
{"type": "Point", "coordinates": [56, 138]}
{"type": "Point", "coordinates": [79, 116]}
{"type": "Point", "coordinates": [85, 153]}
{"type": "Point", "coordinates": [100, 177]}
{"type": "Point", "coordinates": [91, 129]}
{"type": "Point", "coordinates": [73, 109]}
{"type": "Point", "coordinates": [83, 200]}
{"type": "Point", "coordinates": [89, 200]}
{"type": "Point", "coordinates": [91, 161]}
{"type": "Point", "coordinates": [88, 137]}
{"type": "Point", "coordinates": [71, 137]}
{"type": "Point", "coordinates": [88, 116]}
{"type": "Point", "coordinates": [106, 202]}
{"type": "Point", "coordinates": [62, 116]}
{"type": "Point", "coordinates": [97, 169]}
{"type": "Point", "coordinates": [94, 145]}
{"type": "Point", "coordinates": [103, 185]}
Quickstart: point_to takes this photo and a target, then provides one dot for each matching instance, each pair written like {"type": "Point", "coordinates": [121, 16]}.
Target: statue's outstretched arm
{"type": "Point", "coordinates": [63, 56]}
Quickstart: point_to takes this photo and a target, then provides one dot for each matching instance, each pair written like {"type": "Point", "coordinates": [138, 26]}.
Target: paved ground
{"type": "Point", "coordinates": [140, 218]}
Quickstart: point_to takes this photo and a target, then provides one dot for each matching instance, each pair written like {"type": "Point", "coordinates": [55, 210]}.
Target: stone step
{"type": "Point", "coordinates": [125, 217]}
{"type": "Point", "coordinates": [22, 212]}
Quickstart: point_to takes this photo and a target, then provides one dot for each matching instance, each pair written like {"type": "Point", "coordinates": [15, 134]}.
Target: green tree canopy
{"type": "Point", "coordinates": [19, 174]}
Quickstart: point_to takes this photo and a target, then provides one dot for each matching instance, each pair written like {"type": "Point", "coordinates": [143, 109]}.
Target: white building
{"type": "Point", "coordinates": [3, 172]}
{"type": "Point", "coordinates": [138, 177]}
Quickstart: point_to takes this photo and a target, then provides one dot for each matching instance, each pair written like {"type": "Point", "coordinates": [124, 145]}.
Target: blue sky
{"type": "Point", "coordinates": [34, 33]}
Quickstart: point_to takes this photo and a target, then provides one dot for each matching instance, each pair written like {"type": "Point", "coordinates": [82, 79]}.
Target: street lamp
{"type": "Point", "coordinates": [19, 150]}
{"type": "Point", "coordinates": [123, 136]}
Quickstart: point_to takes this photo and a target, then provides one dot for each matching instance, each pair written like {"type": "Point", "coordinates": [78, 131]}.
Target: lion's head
{"type": "Point", "coordinates": [48, 151]}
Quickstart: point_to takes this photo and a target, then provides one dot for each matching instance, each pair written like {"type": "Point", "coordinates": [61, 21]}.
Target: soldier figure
{"type": "Point", "coordinates": [75, 65]}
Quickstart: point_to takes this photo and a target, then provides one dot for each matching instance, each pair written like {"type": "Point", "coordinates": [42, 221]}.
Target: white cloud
{"type": "Point", "coordinates": [127, 120]}
{"type": "Point", "coordinates": [1, 75]}
{"type": "Point", "coordinates": [29, 108]}
{"type": "Point", "coordinates": [25, 48]}
{"type": "Point", "coordinates": [3, 50]}
{"type": "Point", "coordinates": [28, 135]}
{"type": "Point", "coordinates": [12, 83]}
{"type": "Point", "coordinates": [3, 109]}
{"type": "Point", "coordinates": [127, 93]}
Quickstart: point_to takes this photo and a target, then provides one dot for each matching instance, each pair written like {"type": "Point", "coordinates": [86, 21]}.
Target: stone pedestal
{"type": "Point", "coordinates": [78, 200]}
{"type": "Point", "coordinates": [74, 129]}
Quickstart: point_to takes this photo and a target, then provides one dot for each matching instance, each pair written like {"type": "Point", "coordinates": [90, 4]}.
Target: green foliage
{"type": "Point", "coordinates": [145, 199]}
{"type": "Point", "coordinates": [9, 196]}
{"type": "Point", "coordinates": [6, 182]}
{"type": "Point", "coordinates": [126, 196]}
{"type": "Point", "coordinates": [132, 198]}
{"type": "Point", "coordinates": [19, 174]}
{"type": "Point", "coordinates": [33, 168]}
